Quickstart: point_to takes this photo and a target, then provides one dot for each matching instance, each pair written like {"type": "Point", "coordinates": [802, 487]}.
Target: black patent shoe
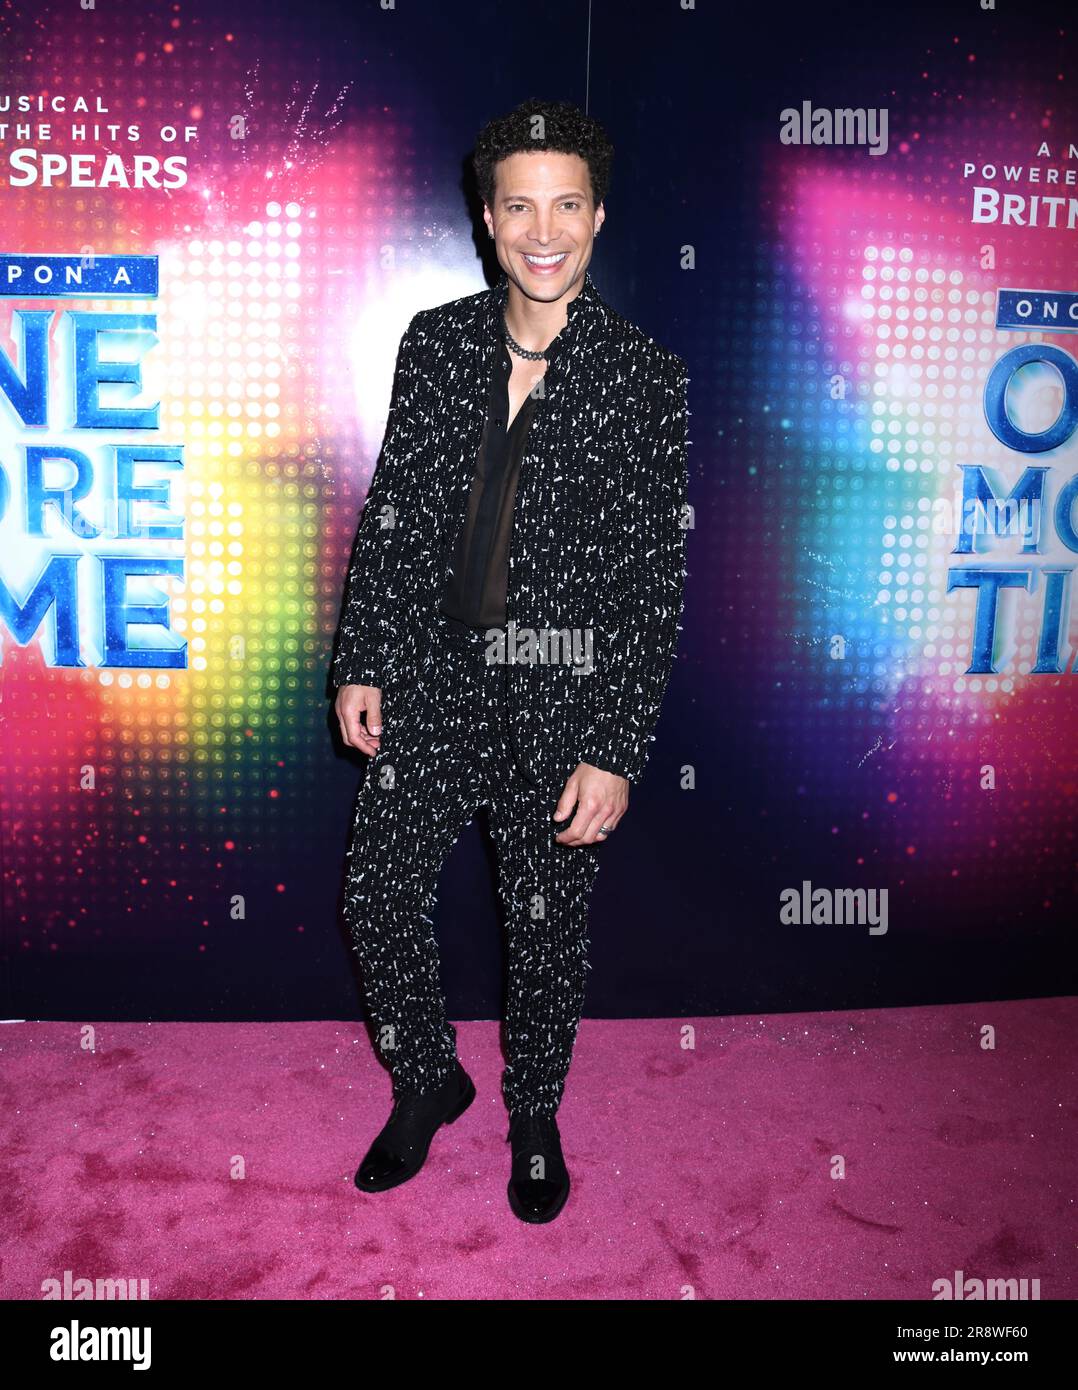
{"type": "Point", "coordinates": [400, 1149]}
{"type": "Point", "coordinates": [539, 1185]}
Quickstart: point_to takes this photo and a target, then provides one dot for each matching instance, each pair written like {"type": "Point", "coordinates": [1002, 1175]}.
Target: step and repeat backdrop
{"type": "Point", "coordinates": [857, 226]}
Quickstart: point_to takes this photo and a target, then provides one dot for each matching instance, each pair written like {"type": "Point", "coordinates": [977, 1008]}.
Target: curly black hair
{"type": "Point", "coordinates": [565, 129]}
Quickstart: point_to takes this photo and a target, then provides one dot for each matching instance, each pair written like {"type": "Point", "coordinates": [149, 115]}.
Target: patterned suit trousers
{"type": "Point", "coordinates": [446, 757]}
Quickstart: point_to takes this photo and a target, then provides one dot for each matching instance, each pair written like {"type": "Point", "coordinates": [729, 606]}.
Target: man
{"type": "Point", "coordinates": [507, 635]}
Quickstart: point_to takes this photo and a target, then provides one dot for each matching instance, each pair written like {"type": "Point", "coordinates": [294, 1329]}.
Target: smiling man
{"type": "Point", "coordinates": [529, 504]}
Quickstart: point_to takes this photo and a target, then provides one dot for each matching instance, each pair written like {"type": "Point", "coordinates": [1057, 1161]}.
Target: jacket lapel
{"type": "Point", "coordinates": [574, 361]}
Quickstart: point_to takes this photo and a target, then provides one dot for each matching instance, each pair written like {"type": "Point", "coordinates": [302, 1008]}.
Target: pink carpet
{"type": "Point", "coordinates": [699, 1172]}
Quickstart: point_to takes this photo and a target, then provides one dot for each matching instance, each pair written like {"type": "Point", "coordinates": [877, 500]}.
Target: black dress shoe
{"type": "Point", "coordinates": [400, 1149]}
{"type": "Point", "coordinates": [539, 1185]}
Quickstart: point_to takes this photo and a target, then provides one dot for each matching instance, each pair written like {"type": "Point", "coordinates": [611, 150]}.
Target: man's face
{"type": "Point", "coordinates": [544, 221]}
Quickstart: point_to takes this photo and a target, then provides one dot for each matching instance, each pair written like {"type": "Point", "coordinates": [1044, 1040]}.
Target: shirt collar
{"type": "Point", "coordinates": [586, 317]}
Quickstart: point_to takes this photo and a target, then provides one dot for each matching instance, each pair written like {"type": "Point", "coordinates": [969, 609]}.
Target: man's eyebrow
{"type": "Point", "coordinates": [527, 198]}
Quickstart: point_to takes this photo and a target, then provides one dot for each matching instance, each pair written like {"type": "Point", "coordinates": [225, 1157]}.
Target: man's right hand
{"type": "Point", "coordinates": [353, 702]}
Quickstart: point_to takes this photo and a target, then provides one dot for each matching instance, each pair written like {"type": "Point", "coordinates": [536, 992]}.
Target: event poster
{"type": "Point", "coordinates": [214, 232]}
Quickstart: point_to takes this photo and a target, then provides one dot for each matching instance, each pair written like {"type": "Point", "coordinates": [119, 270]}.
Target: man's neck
{"type": "Point", "coordinates": [534, 324]}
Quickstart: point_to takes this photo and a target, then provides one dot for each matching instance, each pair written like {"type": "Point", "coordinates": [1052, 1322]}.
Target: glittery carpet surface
{"type": "Point", "coordinates": [858, 1155]}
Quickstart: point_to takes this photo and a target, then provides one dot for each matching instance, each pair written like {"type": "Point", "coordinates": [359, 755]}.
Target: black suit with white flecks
{"type": "Point", "coordinates": [598, 542]}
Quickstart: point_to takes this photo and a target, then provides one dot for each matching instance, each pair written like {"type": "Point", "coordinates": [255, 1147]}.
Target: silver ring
{"type": "Point", "coordinates": [605, 830]}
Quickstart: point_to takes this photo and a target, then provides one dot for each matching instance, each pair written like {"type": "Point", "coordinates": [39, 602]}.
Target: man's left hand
{"type": "Point", "coordinates": [601, 799]}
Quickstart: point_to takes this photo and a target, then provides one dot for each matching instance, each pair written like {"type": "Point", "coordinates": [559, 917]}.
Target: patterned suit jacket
{"type": "Point", "coordinates": [598, 537]}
